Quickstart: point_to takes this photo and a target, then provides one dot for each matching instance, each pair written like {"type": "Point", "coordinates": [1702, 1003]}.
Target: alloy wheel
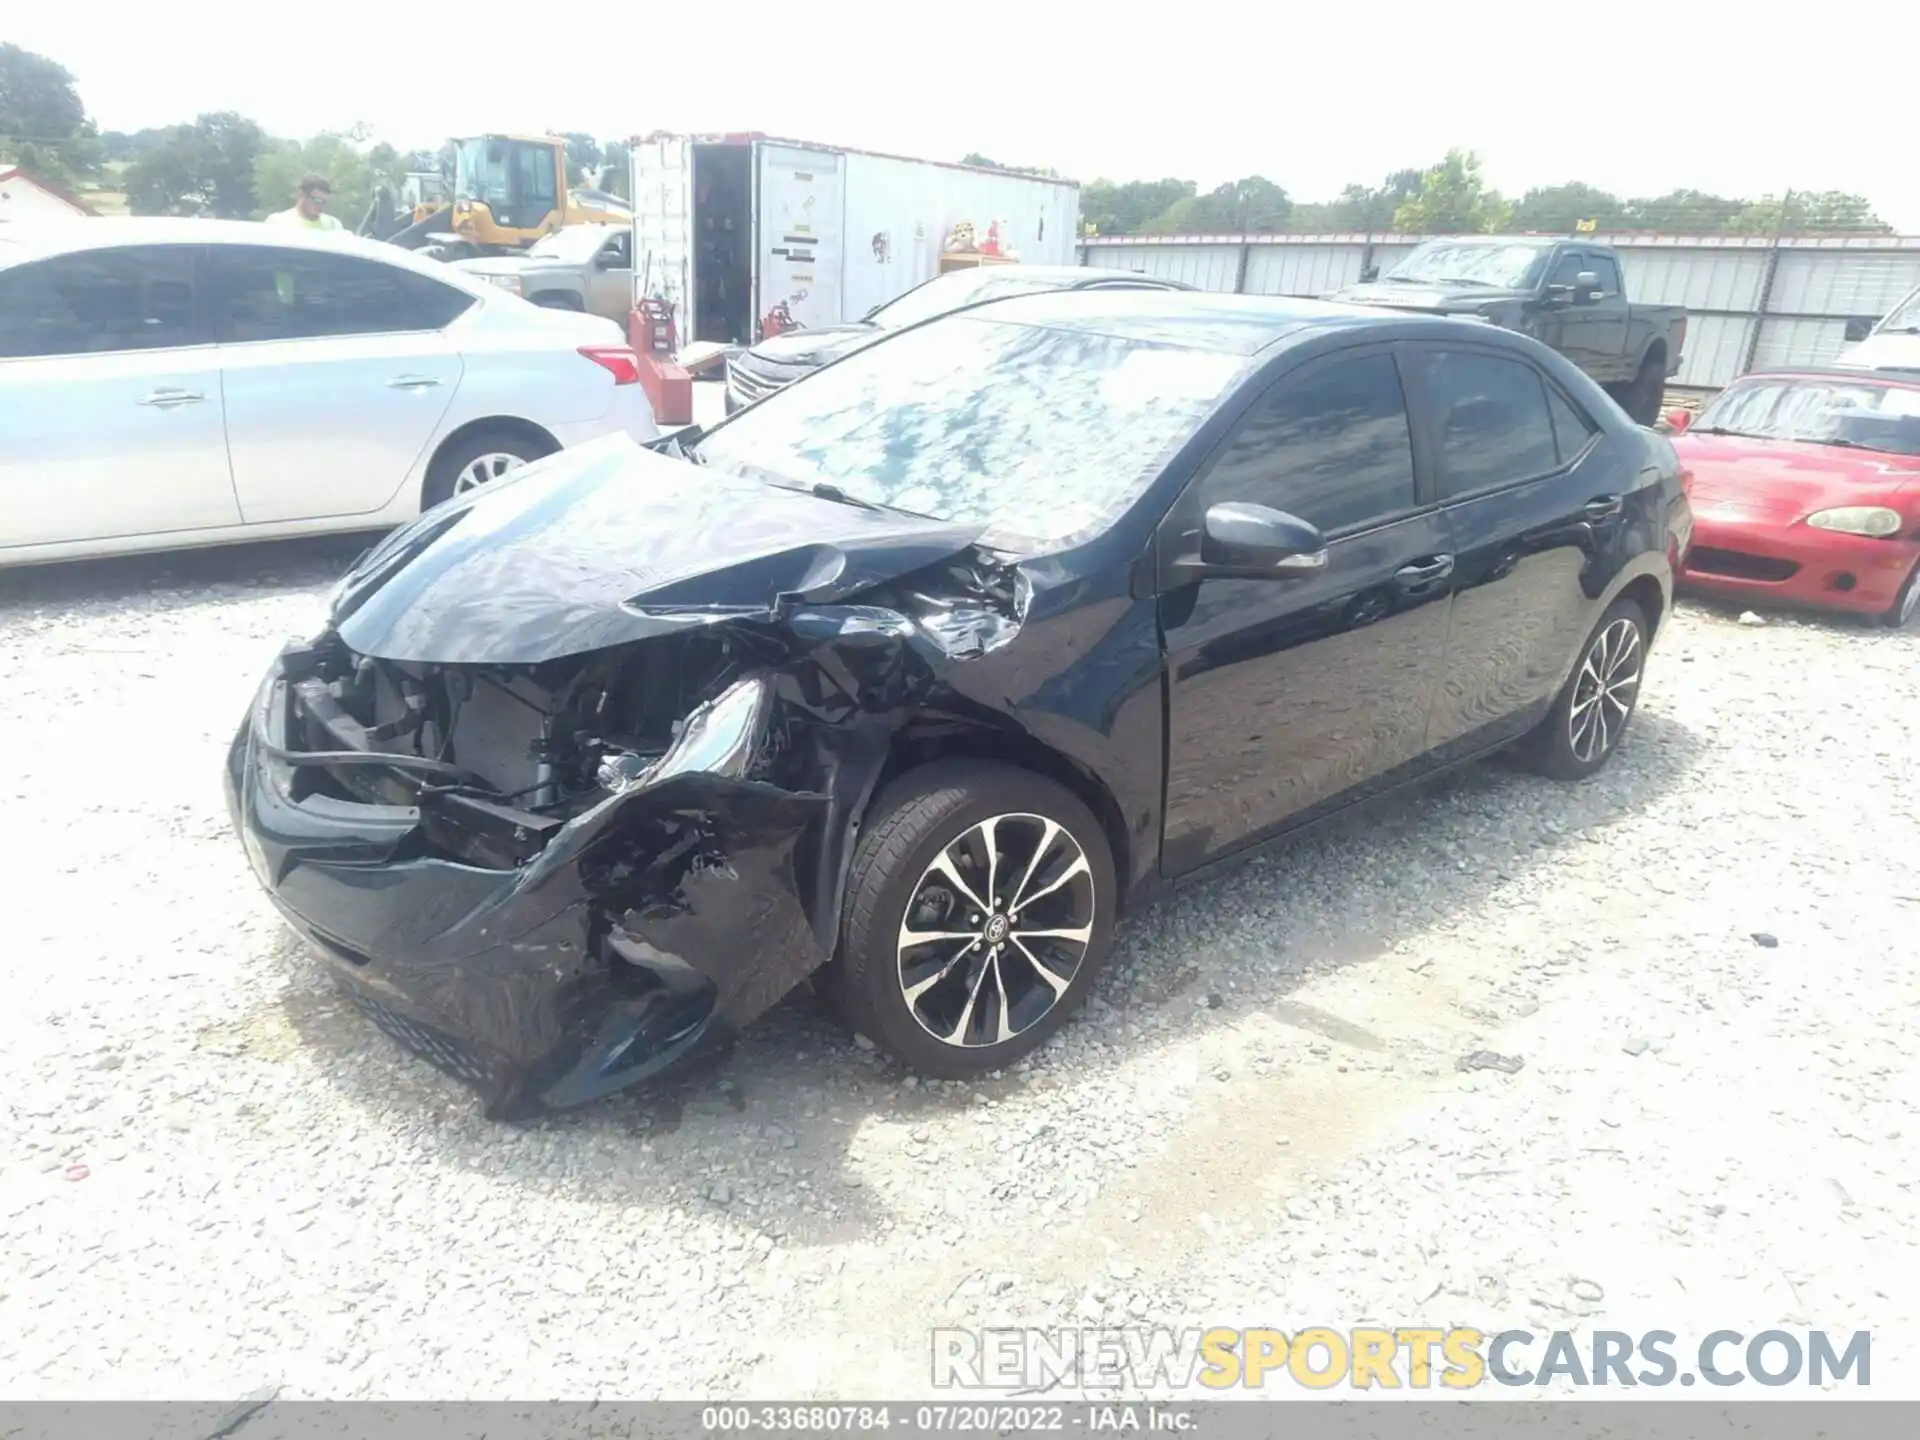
{"type": "Point", "coordinates": [483, 468]}
{"type": "Point", "coordinates": [995, 930]}
{"type": "Point", "coordinates": [1605, 688]}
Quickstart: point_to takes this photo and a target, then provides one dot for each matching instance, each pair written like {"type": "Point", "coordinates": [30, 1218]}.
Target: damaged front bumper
{"type": "Point", "coordinates": [546, 962]}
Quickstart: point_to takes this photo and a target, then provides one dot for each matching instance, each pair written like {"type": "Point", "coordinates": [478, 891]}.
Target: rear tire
{"type": "Point", "coordinates": [1589, 716]}
{"type": "Point", "coordinates": [1906, 604]}
{"type": "Point", "coordinates": [1641, 400]}
{"type": "Point", "coordinates": [939, 839]}
{"type": "Point", "coordinates": [485, 455]}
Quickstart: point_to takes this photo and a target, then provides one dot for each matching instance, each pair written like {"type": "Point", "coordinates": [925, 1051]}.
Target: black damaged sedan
{"type": "Point", "coordinates": [916, 675]}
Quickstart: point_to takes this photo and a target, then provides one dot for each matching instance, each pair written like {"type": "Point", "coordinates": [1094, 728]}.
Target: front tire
{"type": "Point", "coordinates": [979, 909]}
{"type": "Point", "coordinates": [483, 456]}
{"type": "Point", "coordinates": [1906, 604]}
{"type": "Point", "coordinates": [1590, 715]}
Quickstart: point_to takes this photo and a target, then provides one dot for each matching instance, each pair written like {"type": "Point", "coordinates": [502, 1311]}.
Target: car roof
{"type": "Point", "coordinates": [37, 240]}
{"type": "Point", "coordinates": [1858, 374]}
{"type": "Point", "coordinates": [1067, 276]}
{"type": "Point", "coordinates": [1203, 320]}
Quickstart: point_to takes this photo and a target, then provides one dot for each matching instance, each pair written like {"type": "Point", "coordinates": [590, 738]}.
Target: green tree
{"type": "Point", "coordinates": [583, 157]}
{"type": "Point", "coordinates": [1682, 212]}
{"type": "Point", "coordinates": [1250, 206]}
{"type": "Point", "coordinates": [615, 158]}
{"type": "Point", "coordinates": [1357, 207]}
{"type": "Point", "coordinates": [206, 168]}
{"type": "Point", "coordinates": [1126, 209]}
{"type": "Point", "coordinates": [1824, 212]}
{"type": "Point", "coordinates": [1453, 200]}
{"type": "Point", "coordinates": [350, 171]}
{"type": "Point", "coordinates": [43, 126]}
{"type": "Point", "coordinates": [1558, 209]}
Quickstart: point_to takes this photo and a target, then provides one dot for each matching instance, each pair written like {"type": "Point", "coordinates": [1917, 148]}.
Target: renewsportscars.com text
{"type": "Point", "coordinates": [1413, 1357]}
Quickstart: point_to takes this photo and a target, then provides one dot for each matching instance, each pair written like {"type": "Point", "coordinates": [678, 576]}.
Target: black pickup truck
{"type": "Point", "coordinates": [1565, 293]}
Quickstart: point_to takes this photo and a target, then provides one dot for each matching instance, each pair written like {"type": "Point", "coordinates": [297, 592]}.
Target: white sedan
{"type": "Point", "coordinates": [169, 383]}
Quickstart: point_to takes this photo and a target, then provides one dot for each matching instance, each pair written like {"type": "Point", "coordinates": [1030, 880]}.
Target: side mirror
{"type": "Point", "coordinates": [1586, 288]}
{"type": "Point", "coordinates": [1250, 541]}
{"type": "Point", "coordinates": [1370, 274]}
{"type": "Point", "coordinates": [1678, 419]}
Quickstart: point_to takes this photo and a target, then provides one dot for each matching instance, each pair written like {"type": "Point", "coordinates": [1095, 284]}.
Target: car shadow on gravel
{"type": "Point", "coordinates": [1805, 617]}
{"type": "Point", "coordinates": [183, 576]}
{"type": "Point", "coordinates": [770, 1135]}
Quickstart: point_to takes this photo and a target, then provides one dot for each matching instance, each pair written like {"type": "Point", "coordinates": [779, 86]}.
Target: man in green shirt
{"type": "Point", "coordinates": [309, 209]}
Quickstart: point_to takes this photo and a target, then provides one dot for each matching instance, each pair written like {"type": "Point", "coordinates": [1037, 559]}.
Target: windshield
{"type": "Point", "coordinates": [1829, 412]}
{"type": "Point", "coordinates": [1039, 435]}
{"type": "Point", "coordinates": [1905, 316]}
{"type": "Point", "coordinates": [1478, 262]}
{"type": "Point", "coordinates": [577, 243]}
{"type": "Point", "coordinates": [951, 291]}
{"type": "Point", "coordinates": [480, 171]}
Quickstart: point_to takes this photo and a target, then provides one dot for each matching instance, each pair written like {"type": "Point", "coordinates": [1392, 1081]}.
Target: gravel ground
{"type": "Point", "coordinates": [216, 1176]}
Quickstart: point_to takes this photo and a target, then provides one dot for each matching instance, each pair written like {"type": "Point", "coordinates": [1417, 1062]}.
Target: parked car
{"type": "Point", "coordinates": [781, 359]}
{"type": "Point", "coordinates": [918, 674]}
{"type": "Point", "coordinates": [1806, 487]}
{"type": "Point", "coordinates": [1565, 293]}
{"type": "Point", "coordinates": [582, 267]}
{"type": "Point", "coordinates": [1893, 344]}
{"type": "Point", "coordinates": [172, 383]}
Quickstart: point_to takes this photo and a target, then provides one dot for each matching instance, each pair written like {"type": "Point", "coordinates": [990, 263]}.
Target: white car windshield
{"type": "Point", "coordinates": [951, 291]}
{"type": "Point", "coordinates": [1040, 435]}
{"type": "Point", "coordinates": [1905, 317]}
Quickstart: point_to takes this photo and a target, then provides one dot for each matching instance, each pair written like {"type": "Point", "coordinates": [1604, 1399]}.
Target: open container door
{"type": "Point", "coordinates": [662, 186]}
{"type": "Point", "coordinates": [797, 240]}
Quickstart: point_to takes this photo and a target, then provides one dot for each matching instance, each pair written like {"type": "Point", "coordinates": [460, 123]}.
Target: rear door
{"type": "Point", "coordinates": [110, 389]}
{"type": "Point", "coordinates": [1525, 489]}
{"type": "Point", "coordinates": [336, 372]}
{"type": "Point", "coordinates": [663, 225]}
{"type": "Point", "coordinates": [798, 247]}
{"type": "Point", "coordinates": [1288, 695]}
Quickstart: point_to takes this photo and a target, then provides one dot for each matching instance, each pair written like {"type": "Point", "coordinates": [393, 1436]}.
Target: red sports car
{"type": "Point", "coordinates": [1806, 490]}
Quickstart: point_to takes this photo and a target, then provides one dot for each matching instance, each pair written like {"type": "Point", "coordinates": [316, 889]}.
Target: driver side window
{"type": "Point", "coordinates": [1329, 443]}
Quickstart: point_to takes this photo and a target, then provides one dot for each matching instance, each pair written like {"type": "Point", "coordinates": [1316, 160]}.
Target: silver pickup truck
{"type": "Point", "coordinates": [583, 267]}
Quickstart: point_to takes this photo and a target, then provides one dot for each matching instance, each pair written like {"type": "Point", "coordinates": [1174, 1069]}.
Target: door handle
{"type": "Point", "coordinates": [412, 382]}
{"type": "Point", "coordinates": [166, 397]}
{"type": "Point", "coordinates": [1423, 572]}
{"type": "Point", "coordinates": [1603, 507]}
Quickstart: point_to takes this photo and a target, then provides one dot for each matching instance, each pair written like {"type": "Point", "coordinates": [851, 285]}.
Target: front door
{"type": "Point", "coordinates": [334, 383]}
{"type": "Point", "coordinates": [1288, 695]}
{"type": "Point", "coordinates": [609, 281]}
{"type": "Point", "coordinates": [799, 233]}
{"type": "Point", "coordinates": [110, 389]}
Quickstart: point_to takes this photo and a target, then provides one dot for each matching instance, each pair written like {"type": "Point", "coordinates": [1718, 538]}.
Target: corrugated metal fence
{"type": "Point", "coordinates": [1751, 301]}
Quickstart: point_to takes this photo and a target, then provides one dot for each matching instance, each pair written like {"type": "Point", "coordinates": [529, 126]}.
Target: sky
{"type": "Point", "coordinates": [1633, 96]}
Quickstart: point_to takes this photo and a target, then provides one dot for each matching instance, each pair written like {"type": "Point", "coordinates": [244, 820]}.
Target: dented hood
{"type": "Point", "coordinates": [611, 543]}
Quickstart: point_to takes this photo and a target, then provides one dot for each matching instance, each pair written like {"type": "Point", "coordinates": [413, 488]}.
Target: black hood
{"type": "Point", "coordinates": [1431, 297]}
{"type": "Point", "coordinates": [815, 347]}
{"type": "Point", "coordinates": [609, 544]}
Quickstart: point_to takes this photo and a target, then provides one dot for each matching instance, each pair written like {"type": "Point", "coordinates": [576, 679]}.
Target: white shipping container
{"type": "Point", "coordinates": [727, 228]}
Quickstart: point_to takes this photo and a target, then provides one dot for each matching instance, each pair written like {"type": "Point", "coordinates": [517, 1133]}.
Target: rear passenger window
{"type": "Point", "coordinates": [1329, 444]}
{"type": "Point", "coordinates": [275, 294]}
{"type": "Point", "coordinates": [1493, 419]}
{"type": "Point", "coordinates": [1571, 429]}
{"type": "Point", "coordinates": [97, 301]}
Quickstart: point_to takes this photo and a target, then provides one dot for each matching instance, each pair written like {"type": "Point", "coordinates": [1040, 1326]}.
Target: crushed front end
{"type": "Point", "coordinates": [551, 880]}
